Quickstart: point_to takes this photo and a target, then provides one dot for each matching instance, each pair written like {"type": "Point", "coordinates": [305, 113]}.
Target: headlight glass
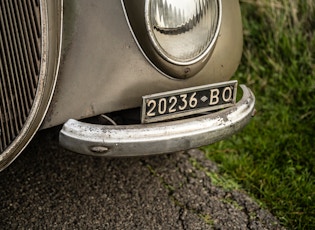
{"type": "Point", "coordinates": [183, 31]}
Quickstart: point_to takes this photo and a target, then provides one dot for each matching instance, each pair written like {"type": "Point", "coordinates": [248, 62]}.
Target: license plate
{"type": "Point", "coordinates": [189, 101]}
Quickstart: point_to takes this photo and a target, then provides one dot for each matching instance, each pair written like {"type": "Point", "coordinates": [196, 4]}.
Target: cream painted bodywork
{"type": "Point", "coordinates": [103, 70]}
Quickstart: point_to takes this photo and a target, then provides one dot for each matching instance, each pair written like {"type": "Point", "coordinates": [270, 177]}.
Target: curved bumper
{"type": "Point", "coordinates": [164, 137]}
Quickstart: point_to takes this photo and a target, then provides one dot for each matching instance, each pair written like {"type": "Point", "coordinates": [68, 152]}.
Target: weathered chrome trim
{"type": "Point", "coordinates": [51, 25]}
{"type": "Point", "coordinates": [140, 140]}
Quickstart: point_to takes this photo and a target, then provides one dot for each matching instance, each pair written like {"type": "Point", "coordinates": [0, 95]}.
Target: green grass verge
{"type": "Point", "coordinates": [274, 156]}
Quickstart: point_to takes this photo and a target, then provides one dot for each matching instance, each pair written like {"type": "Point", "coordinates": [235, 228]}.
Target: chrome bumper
{"type": "Point", "coordinates": [165, 137]}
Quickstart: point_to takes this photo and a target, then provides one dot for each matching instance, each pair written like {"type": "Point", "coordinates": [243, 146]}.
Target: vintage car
{"type": "Point", "coordinates": [142, 76]}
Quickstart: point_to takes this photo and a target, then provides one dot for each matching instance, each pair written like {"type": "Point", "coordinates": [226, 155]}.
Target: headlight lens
{"type": "Point", "coordinates": [183, 31]}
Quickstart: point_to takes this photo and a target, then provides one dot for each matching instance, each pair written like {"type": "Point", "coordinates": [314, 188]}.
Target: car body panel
{"type": "Point", "coordinates": [103, 70]}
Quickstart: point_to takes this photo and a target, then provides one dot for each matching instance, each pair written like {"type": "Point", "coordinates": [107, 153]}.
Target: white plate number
{"type": "Point", "coordinates": [164, 105]}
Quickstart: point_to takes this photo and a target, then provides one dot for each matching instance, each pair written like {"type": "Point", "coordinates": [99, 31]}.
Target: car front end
{"type": "Point", "coordinates": [169, 61]}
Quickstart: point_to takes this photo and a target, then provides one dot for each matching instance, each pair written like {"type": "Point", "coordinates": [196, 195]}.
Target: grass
{"type": "Point", "coordinates": [273, 158]}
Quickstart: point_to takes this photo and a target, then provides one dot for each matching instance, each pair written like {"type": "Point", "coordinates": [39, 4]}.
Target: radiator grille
{"type": "Point", "coordinates": [20, 58]}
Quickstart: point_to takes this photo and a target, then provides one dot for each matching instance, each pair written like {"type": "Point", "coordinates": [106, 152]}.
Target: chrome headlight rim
{"type": "Point", "coordinates": [190, 61]}
{"type": "Point", "coordinates": [135, 15]}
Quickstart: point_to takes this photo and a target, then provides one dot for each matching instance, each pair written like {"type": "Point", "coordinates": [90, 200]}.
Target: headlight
{"type": "Point", "coordinates": [176, 36]}
{"type": "Point", "coordinates": [182, 31]}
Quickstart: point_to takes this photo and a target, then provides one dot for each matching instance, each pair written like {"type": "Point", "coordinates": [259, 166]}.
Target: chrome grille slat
{"type": "Point", "coordinates": [24, 88]}
{"type": "Point", "coordinates": [29, 50]}
{"type": "Point", "coordinates": [20, 54]}
{"type": "Point", "coordinates": [33, 52]}
{"type": "Point", "coordinates": [30, 86]}
{"type": "Point", "coordinates": [16, 68]}
{"type": "Point", "coordinates": [37, 20]}
{"type": "Point", "coordinates": [8, 70]}
{"type": "Point", "coordinates": [32, 22]}
{"type": "Point", "coordinates": [5, 111]}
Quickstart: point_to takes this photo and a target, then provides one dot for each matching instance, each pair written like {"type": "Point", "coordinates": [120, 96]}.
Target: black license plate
{"type": "Point", "coordinates": [189, 101]}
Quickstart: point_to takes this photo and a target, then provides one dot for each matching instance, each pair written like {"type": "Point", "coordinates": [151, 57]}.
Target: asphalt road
{"type": "Point", "coordinates": [48, 187]}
